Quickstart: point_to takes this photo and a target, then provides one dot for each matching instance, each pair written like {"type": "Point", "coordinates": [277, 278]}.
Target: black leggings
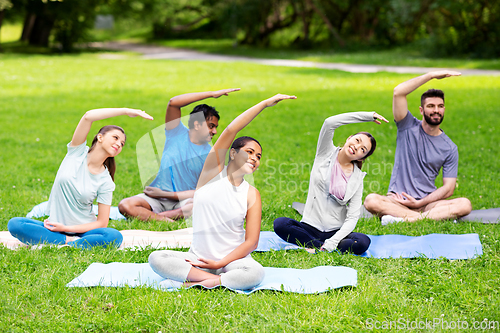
{"type": "Point", "coordinates": [303, 234]}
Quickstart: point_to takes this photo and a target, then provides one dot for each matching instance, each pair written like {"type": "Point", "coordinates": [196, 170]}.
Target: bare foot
{"type": "Point", "coordinates": [71, 239]}
{"type": "Point", "coordinates": [165, 217]}
{"type": "Point", "coordinates": [209, 283]}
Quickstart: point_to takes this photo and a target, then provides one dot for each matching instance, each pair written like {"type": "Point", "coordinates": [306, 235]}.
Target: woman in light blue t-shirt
{"type": "Point", "coordinates": [86, 174]}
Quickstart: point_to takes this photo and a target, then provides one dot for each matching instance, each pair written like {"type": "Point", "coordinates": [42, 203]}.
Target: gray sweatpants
{"type": "Point", "coordinates": [242, 274]}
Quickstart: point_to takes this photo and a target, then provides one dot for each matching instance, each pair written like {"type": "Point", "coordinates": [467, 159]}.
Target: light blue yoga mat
{"type": "Point", "coordinates": [432, 246]}
{"type": "Point", "coordinates": [40, 211]}
{"type": "Point", "coordinates": [467, 246]}
{"type": "Point", "coordinates": [304, 281]}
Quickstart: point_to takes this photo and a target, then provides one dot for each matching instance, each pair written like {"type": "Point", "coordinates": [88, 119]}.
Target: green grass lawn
{"type": "Point", "coordinates": [42, 99]}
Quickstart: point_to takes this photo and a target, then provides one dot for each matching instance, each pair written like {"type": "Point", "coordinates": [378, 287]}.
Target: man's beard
{"type": "Point", "coordinates": [431, 121]}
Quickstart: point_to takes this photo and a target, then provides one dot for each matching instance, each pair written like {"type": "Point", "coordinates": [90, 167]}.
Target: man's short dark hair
{"type": "Point", "coordinates": [208, 112]}
{"type": "Point", "coordinates": [431, 93]}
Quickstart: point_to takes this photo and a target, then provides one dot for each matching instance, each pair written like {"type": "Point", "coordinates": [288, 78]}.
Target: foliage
{"type": "Point", "coordinates": [5, 4]}
{"type": "Point", "coordinates": [447, 27]}
{"type": "Point", "coordinates": [467, 27]}
{"type": "Point", "coordinates": [167, 17]}
{"type": "Point", "coordinates": [443, 27]}
{"type": "Point", "coordinates": [65, 22]}
{"type": "Point", "coordinates": [74, 19]}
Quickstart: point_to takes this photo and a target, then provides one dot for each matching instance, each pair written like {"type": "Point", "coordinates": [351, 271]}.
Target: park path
{"type": "Point", "coordinates": [162, 52]}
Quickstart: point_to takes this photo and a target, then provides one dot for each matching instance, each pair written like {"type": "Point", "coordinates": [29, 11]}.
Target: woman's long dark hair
{"type": "Point", "coordinates": [110, 161]}
{"type": "Point", "coordinates": [359, 163]}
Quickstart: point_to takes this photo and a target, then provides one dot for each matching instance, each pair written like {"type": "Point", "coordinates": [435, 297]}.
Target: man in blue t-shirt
{"type": "Point", "coordinates": [422, 149]}
{"type": "Point", "coordinates": [170, 194]}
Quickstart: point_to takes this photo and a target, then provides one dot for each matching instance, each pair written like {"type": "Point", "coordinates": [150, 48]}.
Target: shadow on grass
{"type": "Point", "coordinates": [18, 47]}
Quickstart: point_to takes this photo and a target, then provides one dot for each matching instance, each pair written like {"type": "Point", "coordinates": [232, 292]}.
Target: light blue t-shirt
{"type": "Point", "coordinates": [75, 189]}
{"type": "Point", "coordinates": [181, 161]}
{"type": "Point", "coordinates": [419, 157]}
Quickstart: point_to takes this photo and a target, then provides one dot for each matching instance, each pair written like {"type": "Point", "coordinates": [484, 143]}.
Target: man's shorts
{"type": "Point", "coordinates": [162, 205]}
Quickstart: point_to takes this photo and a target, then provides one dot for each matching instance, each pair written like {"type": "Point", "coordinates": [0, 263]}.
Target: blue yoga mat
{"type": "Point", "coordinates": [304, 281]}
{"type": "Point", "coordinates": [467, 246]}
{"type": "Point", "coordinates": [40, 211]}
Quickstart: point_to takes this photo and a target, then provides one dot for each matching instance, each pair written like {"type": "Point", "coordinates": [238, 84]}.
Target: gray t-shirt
{"type": "Point", "coordinates": [75, 189]}
{"type": "Point", "coordinates": [419, 157]}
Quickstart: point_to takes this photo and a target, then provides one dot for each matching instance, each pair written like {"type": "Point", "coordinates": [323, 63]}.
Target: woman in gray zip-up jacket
{"type": "Point", "coordinates": [335, 192]}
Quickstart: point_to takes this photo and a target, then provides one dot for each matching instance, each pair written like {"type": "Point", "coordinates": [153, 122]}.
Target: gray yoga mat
{"type": "Point", "coordinates": [486, 216]}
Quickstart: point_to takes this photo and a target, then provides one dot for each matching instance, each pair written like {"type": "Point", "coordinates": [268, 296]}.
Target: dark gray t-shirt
{"type": "Point", "coordinates": [419, 157]}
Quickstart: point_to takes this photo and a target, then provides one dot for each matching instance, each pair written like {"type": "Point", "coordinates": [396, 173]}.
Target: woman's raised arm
{"type": "Point", "coordinates": [83, 127]}
{"type": "Point", "coordinates": [325, 144]}
{"type": "Point", "coordinates": [216, 158]}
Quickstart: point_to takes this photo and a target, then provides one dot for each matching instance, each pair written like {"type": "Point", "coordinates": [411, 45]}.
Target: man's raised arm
{"type": "Point", "coordinates": [173, 114]}
{"type": "Point", "coordinates": [399, 102]}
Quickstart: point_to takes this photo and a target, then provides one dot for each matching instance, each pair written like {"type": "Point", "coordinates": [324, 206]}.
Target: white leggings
{"type": "Point", "coordinates": [243, 274]}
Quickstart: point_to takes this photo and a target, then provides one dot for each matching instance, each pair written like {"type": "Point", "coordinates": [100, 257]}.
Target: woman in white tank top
{"type": "Point", "coordinates": [220, 252]}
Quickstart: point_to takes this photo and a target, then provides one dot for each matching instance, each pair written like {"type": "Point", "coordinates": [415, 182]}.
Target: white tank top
{"type": "Point", "coordinates": [219, 211]}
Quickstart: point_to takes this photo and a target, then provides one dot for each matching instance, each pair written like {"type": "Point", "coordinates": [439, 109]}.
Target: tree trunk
{"type": "Point", "coordinates": [2, 14]}
{"type": "Point", "coordinates": [29, 22]}
{"type": "Point", "coordinates": [41, 31]}
{"type": "Point", "coordinates": [306, 21]}
{"type": "Point", "coordinates": [327, 22]}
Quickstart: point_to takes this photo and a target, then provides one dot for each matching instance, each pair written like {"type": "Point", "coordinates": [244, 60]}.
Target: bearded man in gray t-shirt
{"type": "Point", "coordinates": [422, 149]}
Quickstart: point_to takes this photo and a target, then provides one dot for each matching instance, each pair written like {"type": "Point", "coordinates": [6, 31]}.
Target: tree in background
{"type": "Point", "coordinates": [258, 19]}
{"type": "Point", "coordinates": [440, 27]}
{"type": "Point", "coordinates": [170, 18]}
{"type": "Point", "coordinates": [4, 5]}
{"type": "Point", "coordinates": [65, 21]}
{"type": "Point", "coordinates": [466, 27]}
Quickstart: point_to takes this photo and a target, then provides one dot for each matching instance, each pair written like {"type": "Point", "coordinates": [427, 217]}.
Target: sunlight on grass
{"type": "Point", "coordinates": [10, 32]}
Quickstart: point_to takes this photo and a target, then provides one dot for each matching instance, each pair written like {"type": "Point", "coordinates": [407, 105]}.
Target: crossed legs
{"type": "Point", "coordinates": [439, 210]}
{"type": "Point", "coordinates": [243, 273]}
{"type": "Point", "coordinates": [139, 208]}
{"type": "Point", "coordinates": [33, 232]}
{"type": "Point", "coordinates": [303, 234]}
